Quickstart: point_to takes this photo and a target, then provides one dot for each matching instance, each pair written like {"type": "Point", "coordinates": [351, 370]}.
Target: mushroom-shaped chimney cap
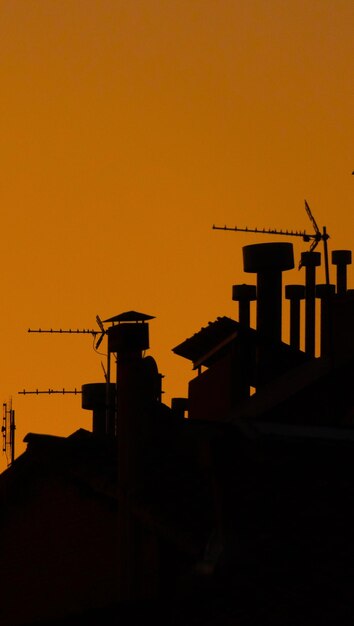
{"type": "Point", "coordinates": [130, 316]}
{"type": "Point", "coordinates": [295, 292]}
{"type": "Point", "coordinates": [341, 257]}
{"type": "Point", "coordinates": [263, 257]}
{"type": "Point", "coordinates": [324, 291]}
{"type": "Point", "coordinates": [310, 259]}
{"type": "Point", "coordinates": [244, 292]}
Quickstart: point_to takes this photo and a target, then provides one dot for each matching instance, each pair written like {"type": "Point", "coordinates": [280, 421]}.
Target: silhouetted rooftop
{"type": "Point", "coordinates": [207, 339]}
{"type": "Point", "coordinates": [130, 316]}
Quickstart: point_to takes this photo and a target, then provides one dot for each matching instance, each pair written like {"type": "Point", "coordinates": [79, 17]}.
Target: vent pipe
{"type": "Point", "coordinates": [341, 258]}
{"type": "Point", "coordinates": [244, 295]}
{"type": "Point", "coordinates": [94, 398]}
{"type": "Point", "coordinates": [295, 293]}
{"type": "Point", "coordinates": [268, 261]}
{"type": "Point", "coordinates": [325, 293]}
{"type": "Point", "coordinates": [310, 260]}
{"type": "Point", "coordinates": [129, 338]}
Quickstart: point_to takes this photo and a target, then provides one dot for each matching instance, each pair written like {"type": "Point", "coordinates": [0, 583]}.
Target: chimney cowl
{"type": "Point", "coordinates": [341, 257]}
{"type": "Point", "coordinates": [244, 292]}
{"type": "Point", "coordinates": [324, 291]}
{"type": "Point", "coordinates": [311, 259]}
{"type": "Point", "coordinates": [295, 292]}
{"type": "Point", "coordinates": [263, 257]}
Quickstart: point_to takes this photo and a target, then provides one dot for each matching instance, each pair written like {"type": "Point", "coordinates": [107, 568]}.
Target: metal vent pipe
{"type": "Point", "coordinates": [268, 261]}
{"type": "Point", "coordinates": [341, 258]}
{"type": "Point", "coordinates": [295, 293]}
{"type": "Point", "coordinates": [244, 295]}
{"type": "Point", "coordinates": [325, 293]}
{"type": "Point", "coordinates": [310, 260]}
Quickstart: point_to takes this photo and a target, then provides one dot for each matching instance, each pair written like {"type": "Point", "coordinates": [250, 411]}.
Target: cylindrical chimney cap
{"type": "Point", "coordinates": [295, 292]}
{"type": "Point", "coordinates": [128, 337]}
{"type": "Point", "coordinates": [263, 257]}
{"type": "Point", "coordinates": [341, 257]}
{"type": "Point", "coordinates": [94, 395]}
{"type": "Point", "coordinates": [244, 292]}
{"type": "Point", "coordinates": [310, 259]}
{"type": "Point", "coordinates": [325, 291]}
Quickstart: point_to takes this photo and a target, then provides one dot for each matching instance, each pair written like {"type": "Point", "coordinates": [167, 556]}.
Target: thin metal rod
{"type": "Point", "coordinates": [70, 331]}
{"type": "Point", "coordinates": [325, 246]}
{"type": "Point", "coordinates": [108, 395]}
{"type": "Point", "coordinates": [12, 435]}
{"type": "Point", "coordinates": [4, 424]}
{"type": "Point", "coordinates": [266, 231]}
{"type": "Point", "coordinates": [50, 391]}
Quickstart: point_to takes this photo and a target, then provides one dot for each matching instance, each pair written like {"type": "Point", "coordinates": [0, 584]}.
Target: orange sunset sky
{"type": "Point", "coordinates": [129, 127]}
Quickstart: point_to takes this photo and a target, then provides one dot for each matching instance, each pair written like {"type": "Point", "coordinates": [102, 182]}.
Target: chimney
{"type": "Point", "coordinates": [341, 258]}
{"type": "Point", "coordinates": [295, 293]}
{"type": "Point", "coordinates": [129, 338]}
{"type": "Point", "coordinates": [268, 261]}
{"type": "Point", "coordinates": [325, 293]}
{"type": "Point", "coordinates": [310, 260]}
{"type": "Point", "coordinates": [94, 398]}
{"type": "Point", "coordinates": [244, 295]}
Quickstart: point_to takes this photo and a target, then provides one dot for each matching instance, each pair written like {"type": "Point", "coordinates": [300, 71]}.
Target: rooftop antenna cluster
{"type": "Point", "coordinates": [75, 331]}
{"type": "Point", "coordinates": [70, 331]}
{"type": "Point", "coordinates": [315, 237]}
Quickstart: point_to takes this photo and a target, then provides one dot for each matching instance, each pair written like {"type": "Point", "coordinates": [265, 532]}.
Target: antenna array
{"type": "Point", "coordinates": [316, 237]}
{"type": "Point", "coordinates": [70, 331]}
{"type": "Point", "coordinates": [75, 331]}
{"type": "Point", "coordinates": [266, 231]}
{"type": "Point", "coordinates": [24, 392]}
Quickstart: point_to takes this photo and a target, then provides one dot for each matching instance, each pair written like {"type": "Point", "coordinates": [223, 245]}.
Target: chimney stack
{"type": "Point", "coordinates": [94, 398]}
{"type": "Point", "coordinates": [341, 258]}
{"type": "Point", "coordinates": [268, 261]}
{"type": "Point", "coordinates": [129, 338]}
{"type": "Point", "coordinates": [325, 293]}
{"type": "Point", "coordinates": [244, 295]}
{"type": "Point", "coordinates": [295, 293]}
{"type": "Point", "coordinates": [310, 260]}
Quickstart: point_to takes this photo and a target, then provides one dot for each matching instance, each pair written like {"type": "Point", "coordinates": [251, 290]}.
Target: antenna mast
{"type": "Point", "coordinates": [316, 237]}
{"type": "Point", "coordinates": [107, 371]}
{"type": "Point", "coordinates": [8, 430]}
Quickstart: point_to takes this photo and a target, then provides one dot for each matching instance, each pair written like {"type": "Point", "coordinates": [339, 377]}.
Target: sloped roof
{"type": "Point", "coordinates": [207, 339]}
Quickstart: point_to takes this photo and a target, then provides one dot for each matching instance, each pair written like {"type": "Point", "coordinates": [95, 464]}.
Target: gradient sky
{"type": "Point", "coordinates": [129, 127]}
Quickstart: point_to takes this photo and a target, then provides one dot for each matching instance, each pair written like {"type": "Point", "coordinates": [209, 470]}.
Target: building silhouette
{"type": "Point", "coordinates": [240, 514]}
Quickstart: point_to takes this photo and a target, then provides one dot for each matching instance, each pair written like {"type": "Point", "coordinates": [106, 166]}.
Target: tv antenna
{"type": "Point", "coordinates": [76, 331]}
{"type": "Point", "coordinates": [8, 431]}
{"type": "Point", "coordinates": [315, 237]}
{"type": "Point", "coordinates": [75, 391]}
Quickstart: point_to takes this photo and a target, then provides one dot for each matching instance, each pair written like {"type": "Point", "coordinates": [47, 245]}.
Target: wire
{"type": "Point", "coordinates": [97, 351]}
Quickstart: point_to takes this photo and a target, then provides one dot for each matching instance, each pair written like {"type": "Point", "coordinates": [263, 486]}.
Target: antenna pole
{"type": "Point", "coordinates": [325, 247]}
{"type": "Point", "coordinates": [8, 430]}
{"type": "Point", "coordinates": [108, 381]}
{"type": "Point", "coordinates": [3, 429]}
{"type": "Point", "coordinates": [12, 434]}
